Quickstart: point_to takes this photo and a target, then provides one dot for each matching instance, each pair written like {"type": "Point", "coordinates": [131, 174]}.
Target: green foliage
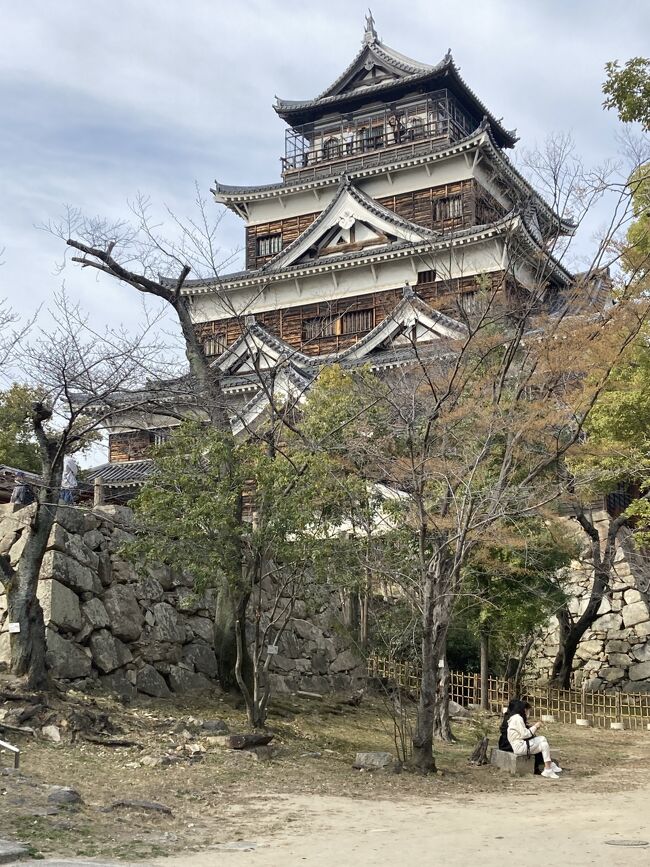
{"type": "Point", "coordinates": [627, 89]}
{"type": "Point", "coordinates": [17, 445]}
{"type": "Point", "coordinates": [195, 511]}
{"type": "Point", "coordinates": [510, 590]}
{"type": "Point", "coordinates": [636, 254]}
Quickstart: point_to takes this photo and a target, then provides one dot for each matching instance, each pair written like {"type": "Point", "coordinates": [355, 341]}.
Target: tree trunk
{"type": "Point", "coordinates": [485, 684]}
{"type": "Point", "coordinates": [479, 756]}
{"type": "Point", "coordinates": [521, 662]}
{"type": "Point", "coordinates": [28, 645]}
{"type": "Point", "coordinates": [364, 603]}
{"type": "Point", "coordinates": [602, 557]}
{"type": "Point", "coordinates": [229, 610]}
{"type": "Point", "coordinates": [437, 601]}
{"type": "Point", "coordinates": [442, 726]}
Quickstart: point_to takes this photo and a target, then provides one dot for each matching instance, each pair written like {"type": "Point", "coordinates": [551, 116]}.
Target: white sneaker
{"type": "Point", "coordinates": [550, 774]}
{"type": "Point", "coordinates": [556, 768]}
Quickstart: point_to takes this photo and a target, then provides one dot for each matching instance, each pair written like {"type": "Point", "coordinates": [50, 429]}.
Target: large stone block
{"type": "Point", "coordinates": [203, 659]}
{"type": "Point", "coordinates": [608, 623]}
{"type": "Point", "coordinates": [588, 649]}
{"type": "Point", "coordinates": [5, 650]}
{"type": "Point", "coordinates": [620, 660]}
{"type": "Point", "coordinates": [124, 612]}
{"type": "Point", "coordinates": [307, 630]}
{"type": "Point", "coordinates": [119, 540]}
{"type": "Point", "coordinates": [641, 671]}
{"type": "Point", "coordinates": [345, 661]}
{"type": "Point", "coordinates": [68, 571]}
{"type": "Point", "coordinates": [64, 658]}
{"type": "Point", "coordinates": [181, 680]}
{"type": "Point", "coordinates": [168, 624]}
{"type": "Point", "coordinates": [73, 546]}
{"type": "Point", "coordinates": [642, 652]}
{"type": "Point", "coordinates": [94, 539]}
{"type": "Point", "coordinates": [151, 683]}
{"type": "Point", "coordinates": [74, 519]}
{"type": "Point", "coordinates": [150, 589]}
{"type": "Point", "coordinates": [96, 614]}
{"type": "Point", "coordinates": [122, 570]}
{"type": "Point", "coordinates": [616, 646]}
{"type": "Point", "coordinates": [60, 605]}
{"type": "Point", "coordinates": [159, 651]}
{"type": "Point", "coordinates": [108, 652]}
{"type": "Point", "coordinates": [611, 674]}
{"type": "Point", "coordinates": [115, 516]}
{"type": "Point", "coordinates": [118, 683]}
{"type": "Point", "coordinates": [632, 596]}
{"type": "Point", "coordinates": [635, 613]}
{"type": "Point", "coordinates": [202, 628]}
{"type": "Point", "coordinates": [517, 766]}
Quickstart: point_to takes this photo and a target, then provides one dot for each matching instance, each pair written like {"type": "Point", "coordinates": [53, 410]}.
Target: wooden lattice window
{"type": "Point", "coordinates": [331, 149]}
{"type": "Point", "coordinates": [269, 245]}
{"type": "Point", "coordinates": [357, 320]}
{"type": "Point", "coordinates": [426, 277]}
{"type": "Point", "coordinates": [448, 208]}
{"type": "Point", "coordinates": [317, 326]}
{"type": "Point", "coordinates": [214, 345]}
{"type": "Point", "coordinates": [473, 302]}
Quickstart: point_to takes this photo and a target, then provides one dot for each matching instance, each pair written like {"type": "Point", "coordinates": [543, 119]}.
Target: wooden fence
{"type": "Point", "coordinates": [566, 705]}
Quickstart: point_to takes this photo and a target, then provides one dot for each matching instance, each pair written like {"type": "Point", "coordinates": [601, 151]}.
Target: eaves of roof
{"type": "Point", "coordinates": [396, 250]}
{"type": "Point", "coordinates": [233, 194]}
{"type": "Point", "coordinates": [293, 111]}
{"type": "Point", "coordinates": [122, 474]}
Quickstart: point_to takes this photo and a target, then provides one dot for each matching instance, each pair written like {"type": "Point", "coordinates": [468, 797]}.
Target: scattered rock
{"type": "Point", "coordinates": [215, 725]}
{"type": "Point", "coordinates": [374, 761]}
{"type": "Point", "coordinates": [52, 733]}
{"type": "Point", "coordinates": [244, 742]}
{"type": "Point", "coordinates": [10, 851]}
{"type": "Point", "coordinates": [64, 795]}
{"type": "Point", "coordinates": [152, 806]}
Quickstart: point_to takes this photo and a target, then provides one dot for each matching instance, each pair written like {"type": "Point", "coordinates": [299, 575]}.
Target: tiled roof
{"type": "Point", "coordinates": [121, 474]}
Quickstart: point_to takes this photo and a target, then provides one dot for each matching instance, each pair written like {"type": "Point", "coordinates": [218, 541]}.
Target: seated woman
{"type": "Point", "coordinates": [523, 740]}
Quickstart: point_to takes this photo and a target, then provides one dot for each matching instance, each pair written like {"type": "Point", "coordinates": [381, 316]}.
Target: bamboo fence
{"type": "Point", "coordinates": [600, 709]}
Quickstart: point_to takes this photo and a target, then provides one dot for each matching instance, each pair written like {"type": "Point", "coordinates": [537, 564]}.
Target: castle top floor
{"type": "Point", "coordinates": [382, 101]}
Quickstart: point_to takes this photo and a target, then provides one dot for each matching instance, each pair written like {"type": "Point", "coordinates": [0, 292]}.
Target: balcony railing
{"type": "Point", "coordinates": [394, 133]}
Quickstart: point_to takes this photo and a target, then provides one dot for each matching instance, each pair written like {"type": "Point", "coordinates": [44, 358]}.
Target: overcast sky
{"type": "Point", "coordinates": [100, 99]}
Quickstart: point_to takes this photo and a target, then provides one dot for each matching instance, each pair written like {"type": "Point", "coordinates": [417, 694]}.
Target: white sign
{"type": "Point", "coordinates": [272, 649]}
{"type": "Point", "coordinates": [441, 663]}
{"type": "Point", "coordinates": [13, 627]}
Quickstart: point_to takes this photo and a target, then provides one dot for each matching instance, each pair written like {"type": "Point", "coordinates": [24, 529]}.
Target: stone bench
{"type": "Point", "coordinates": [519, 766]}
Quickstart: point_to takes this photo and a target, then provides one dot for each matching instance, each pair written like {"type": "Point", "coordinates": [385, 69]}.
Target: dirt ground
{"type": "Point", "coordinates": [306, 804]}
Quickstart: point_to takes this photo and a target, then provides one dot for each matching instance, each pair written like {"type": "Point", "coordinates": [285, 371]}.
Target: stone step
{"type": "Point", "coordinates": [518, 766]}
{"type": "Point", "coordinates": [11, 852]}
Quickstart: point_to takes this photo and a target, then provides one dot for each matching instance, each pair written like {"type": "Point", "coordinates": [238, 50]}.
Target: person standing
{"type": "Point", "coordinates": [22, 493]}
{"type": "Point", "coordinates": [69, 480]}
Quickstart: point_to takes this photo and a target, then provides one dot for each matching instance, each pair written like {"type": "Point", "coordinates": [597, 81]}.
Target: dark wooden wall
{"type": "Point", "coordinates": [289, 323]}
{"type": "Point", "coordinates": [133, 445]}
{"type": "Point", "coordinates": [478, 207]}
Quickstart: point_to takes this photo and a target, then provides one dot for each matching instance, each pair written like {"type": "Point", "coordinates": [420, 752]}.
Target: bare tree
{"type": "Point", "coordinates": [75, 371]}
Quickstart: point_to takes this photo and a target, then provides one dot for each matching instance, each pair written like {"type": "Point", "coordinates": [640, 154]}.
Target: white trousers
{"type": "Point", "coordinates": [537, 745]}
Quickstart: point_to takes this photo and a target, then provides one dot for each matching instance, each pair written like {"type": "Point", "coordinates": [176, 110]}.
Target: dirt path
{"type": "Point", "coordinates": [544, 823]}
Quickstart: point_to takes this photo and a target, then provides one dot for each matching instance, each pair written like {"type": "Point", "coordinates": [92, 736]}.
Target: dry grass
{"type": "Point", "coordinates": [228, 795]}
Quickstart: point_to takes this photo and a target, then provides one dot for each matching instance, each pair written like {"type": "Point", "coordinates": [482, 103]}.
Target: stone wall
{"type": "Point", "coordinates": [110, 625]}
{"type": "Point", "coordinates": [615, 653]}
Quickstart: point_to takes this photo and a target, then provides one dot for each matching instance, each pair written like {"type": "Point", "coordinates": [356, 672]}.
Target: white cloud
{"type": "Point", "coordinates": [103, 98]}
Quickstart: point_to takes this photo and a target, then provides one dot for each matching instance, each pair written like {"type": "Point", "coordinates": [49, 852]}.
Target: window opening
{"type": "Point", "coordinates": [269, 245]}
